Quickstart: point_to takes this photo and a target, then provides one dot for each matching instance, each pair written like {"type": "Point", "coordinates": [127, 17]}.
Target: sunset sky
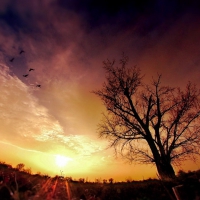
{"type": "Point", "coordinates": [66, 42]}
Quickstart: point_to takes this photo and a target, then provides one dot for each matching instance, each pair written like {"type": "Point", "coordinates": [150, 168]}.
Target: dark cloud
{"type": "Point", "coordinates": [123, 14]}
{"type": "Point", "coordinates": [60, 22]}
{"type": "Point", "coordinates": [66, 41]}
{"type": "Point", "coordinates": [116, 14]}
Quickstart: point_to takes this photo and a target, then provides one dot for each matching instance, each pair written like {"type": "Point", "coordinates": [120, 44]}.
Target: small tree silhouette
{"type": "Point", "coordinates": [104, 181]}
{"type": "Point", "coordinates": [20, 166]}
{"type": "Point", "coordinates": [111, 180]}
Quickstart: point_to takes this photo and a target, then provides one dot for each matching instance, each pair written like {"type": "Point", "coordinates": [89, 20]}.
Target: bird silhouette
{"type": "Point", "coordinates": [31, 69]}
{"type": "Point", "coordinates": [25, 75]}
{"type": "Point", "coordinates": [11, 60]}
{"type": "Point", "coordinates": [22, 51]}
{"type": "Point", "coordinates": [38, 86]}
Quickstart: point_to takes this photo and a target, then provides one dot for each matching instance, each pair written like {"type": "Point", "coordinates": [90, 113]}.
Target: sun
{"type": "Point", "coordinates": [61, 161]}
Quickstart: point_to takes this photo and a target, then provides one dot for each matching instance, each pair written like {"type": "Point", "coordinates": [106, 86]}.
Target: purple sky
{"type": "Point", "coordinates": [65, 42]}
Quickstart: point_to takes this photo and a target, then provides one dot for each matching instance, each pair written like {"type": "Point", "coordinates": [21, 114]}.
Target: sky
{"type": "Point", "coordinates": [66, 42]}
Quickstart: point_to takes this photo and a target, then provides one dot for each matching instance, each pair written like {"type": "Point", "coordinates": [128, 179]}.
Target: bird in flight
{"type": "Point", "coordinates": [22, 51]}
{"type": "Point", "coordinates": [31, 69]}
{"type": "Point", "coordinates": [25, 75]}
{"type": "Point", "coordinates": [11, 60]}
{"type": "Point", "coordinates": [38, 86]}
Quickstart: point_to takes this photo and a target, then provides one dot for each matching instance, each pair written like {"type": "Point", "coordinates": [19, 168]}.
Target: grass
{"type": "Point", "coordinates": [20, 185]}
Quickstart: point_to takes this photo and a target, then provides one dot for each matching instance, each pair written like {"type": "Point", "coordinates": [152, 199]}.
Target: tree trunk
{"type": "Point", "coordinates": [165, 169]}
{"type": "Point", "coordinates": [163, 164]}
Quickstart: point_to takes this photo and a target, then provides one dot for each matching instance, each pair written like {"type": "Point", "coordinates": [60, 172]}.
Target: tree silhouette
{"type": "Point", "coordinates": [20, 166]}
{"type": "Point", "coordinates": [111, 180]}
{"type": "Point", "coordinates": [149, 123]}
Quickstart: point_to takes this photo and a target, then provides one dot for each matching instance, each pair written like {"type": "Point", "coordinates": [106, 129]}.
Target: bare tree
{"type": "Point", "coordinates": [149, 123]}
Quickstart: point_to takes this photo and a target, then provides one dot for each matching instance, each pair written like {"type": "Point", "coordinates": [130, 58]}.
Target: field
{"type": "Point", "coordinates": [20, 185]}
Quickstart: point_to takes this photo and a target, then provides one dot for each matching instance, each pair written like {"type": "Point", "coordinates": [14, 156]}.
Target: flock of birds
{"type": "Point", "coordinates": [31, 69]}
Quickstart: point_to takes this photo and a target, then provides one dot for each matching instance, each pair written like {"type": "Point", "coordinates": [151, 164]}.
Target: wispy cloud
{"type": "Point", "coordinates": [27, 123]}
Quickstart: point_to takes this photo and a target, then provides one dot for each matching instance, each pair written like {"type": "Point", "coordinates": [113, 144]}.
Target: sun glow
{"type": "Point", "coordinates": [61, 161]}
